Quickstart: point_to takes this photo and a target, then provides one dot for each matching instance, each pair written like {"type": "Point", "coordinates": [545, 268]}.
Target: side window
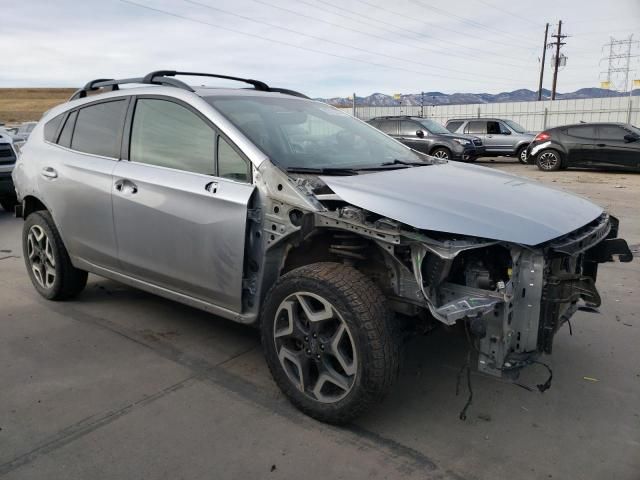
{"type": "Point", "coordinates": [99, 129]}
{"type": "Point", "coordinates": [51, 128]}
{"type": "Point", "coordinates": [409, 128]}
{"type": "Point", "coordinates": [230, 164]}
{"type": "Point", "coordinates": [67, 130]}
{"type": "Point", "coordinates": [504, 129]}
{"type": "Point", "coordinates": [453, 126]}
{"type": "Point", "coordinates": [611, 132]}
{"type": "Point", "coordinates": [493, 128]}
{"type": "Point", "coordinates": [587, 131]}
{"type": "Point", "coordinates": [169, 135]}
{"type": "Point", "coordinates": [390, 127]}
{"type": "Point", "coordinates": [476, 126]}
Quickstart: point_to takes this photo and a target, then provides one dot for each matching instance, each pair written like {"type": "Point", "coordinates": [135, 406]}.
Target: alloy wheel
{"type": "Point", "coordinates": [523, 155]}
{"type": "Point", "coordinates": [41, 258]}
{"type": "Point", "coordinates": [315, 347]}
{"type": "Point", "coordinates": [440, 154]}
{"type": "Point", "coordinates": [548, 160]}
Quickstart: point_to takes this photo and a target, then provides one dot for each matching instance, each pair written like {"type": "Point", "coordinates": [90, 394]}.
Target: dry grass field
{"type": "Point", "coordinates": [24, 104]}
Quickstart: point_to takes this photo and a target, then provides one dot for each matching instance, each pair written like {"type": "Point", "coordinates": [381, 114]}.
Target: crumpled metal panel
{"type": "Point", "coordinates": [469, 200]}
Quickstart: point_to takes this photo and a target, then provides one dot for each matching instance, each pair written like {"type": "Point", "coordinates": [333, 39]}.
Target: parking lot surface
{"type": "Point", "coordinates": [122, 384]}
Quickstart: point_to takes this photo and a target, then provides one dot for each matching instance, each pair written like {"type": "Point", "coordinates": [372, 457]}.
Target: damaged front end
{"type": "Point", "coordinates": [511, 298]}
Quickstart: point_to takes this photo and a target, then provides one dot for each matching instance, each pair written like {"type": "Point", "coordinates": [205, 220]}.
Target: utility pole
{"type": "Point", "coordinates": [544, 55]}
{"type": "Point", "coordinates": [422, 104]}
{"type": "Point", "coordinates": [559, 37]}
{"type": "Point", "coordinates": [353, 106]}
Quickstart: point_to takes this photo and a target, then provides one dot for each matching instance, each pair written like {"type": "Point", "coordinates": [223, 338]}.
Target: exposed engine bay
{"type": "Point", "coordinates": [511, 298]}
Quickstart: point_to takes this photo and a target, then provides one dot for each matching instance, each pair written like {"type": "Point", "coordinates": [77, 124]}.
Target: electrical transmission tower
{"type": "Point", "coordinates": [619, 65]}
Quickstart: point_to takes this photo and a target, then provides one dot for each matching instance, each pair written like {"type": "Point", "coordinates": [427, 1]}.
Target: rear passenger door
{"type": "Point", "coordinates": [478, 128]}
{"type": "Point", "coordinates": [180, 203]}
{"type": "Point", "coordinates": [580, 145]}
{"type": "Point", "coordinates": [75, 178]}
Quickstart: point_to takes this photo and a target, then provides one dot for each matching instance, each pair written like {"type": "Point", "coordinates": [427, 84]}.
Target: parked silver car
{"type": "Point", "coordinates": [267, 208]}
{"type": "Point", "coordinates": [499, 136]}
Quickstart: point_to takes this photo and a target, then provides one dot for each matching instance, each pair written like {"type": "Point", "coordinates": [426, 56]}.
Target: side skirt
{"type": "Point", "coordinates": [165, 292]}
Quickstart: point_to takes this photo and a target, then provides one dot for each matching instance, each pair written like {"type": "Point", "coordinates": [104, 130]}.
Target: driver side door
{"type": "Point", "coordinates": [180, 203]}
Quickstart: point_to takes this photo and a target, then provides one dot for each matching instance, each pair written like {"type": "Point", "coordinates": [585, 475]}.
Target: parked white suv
{"type": "Point", "coordinates": [267, 208]}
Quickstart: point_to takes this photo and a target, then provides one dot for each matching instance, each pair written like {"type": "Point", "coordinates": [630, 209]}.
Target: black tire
{"type": "Point", "coordinates": [549, 160]}
{"type": "Point", "coordinates": [522, 152]}
{"type": "Point", "coordinates": [441, 152]}
{"type": "Point", "coordinates": [8, 204]}
{"type": "Point", "coordinates": [363, 309]}
{"type": "Point", "coordinates": [68, 281]}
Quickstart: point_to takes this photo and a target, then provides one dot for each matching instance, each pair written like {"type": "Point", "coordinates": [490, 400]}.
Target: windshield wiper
{"type": "Point", "coordinates": [400, 162]}
{"type": "Point", "coordinates": [323, 170]}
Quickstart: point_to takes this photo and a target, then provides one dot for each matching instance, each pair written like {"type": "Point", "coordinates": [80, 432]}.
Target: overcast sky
{"type": "Point", "coordinates": [320, 47]}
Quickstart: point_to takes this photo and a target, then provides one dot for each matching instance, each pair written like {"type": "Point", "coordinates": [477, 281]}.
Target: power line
{"type": "Point", "coordinates": [431, 50]}
{"type": "Point", "coordinates": [334, 42]}
{"type": "Point", "coordinates": [291, 45]}
{"type": "Point", "coordinates": [473, 23]}
{"type": "Point", "coordinates": [515, 15]}
{"type": "Point", "coordinates": [440, 27]}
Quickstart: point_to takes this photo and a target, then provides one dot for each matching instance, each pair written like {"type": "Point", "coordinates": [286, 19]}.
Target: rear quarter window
{"type": "Point", "coordinates": [51, 128]}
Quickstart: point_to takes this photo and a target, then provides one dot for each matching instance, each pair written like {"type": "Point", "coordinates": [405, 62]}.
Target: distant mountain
{"type": "Point", "coordinates": [439, 98]}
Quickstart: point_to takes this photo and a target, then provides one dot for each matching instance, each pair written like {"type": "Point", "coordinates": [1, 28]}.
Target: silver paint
{"type": "Point", "coordinates": [468, 200]}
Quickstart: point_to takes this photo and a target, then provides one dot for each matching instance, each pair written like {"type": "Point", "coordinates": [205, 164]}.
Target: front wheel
{"type": "Point", "coordinates": [329, 341]}
{"type": "Point", "coordinates": [441, 153]}
{"type": "Point", "coordinates": [549, 160]}
{"type": "Point", "coordinates": [522, 154]}
{"type": "Point", "coordinates": [47, 260]}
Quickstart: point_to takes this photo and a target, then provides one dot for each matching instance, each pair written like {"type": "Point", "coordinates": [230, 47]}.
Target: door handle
{"type": "Point", "coordinates": [126, 186]}
{"type": "Point", "coordinates": [49, 172]}
{"type": "Point", "coordinates": [211, 187]}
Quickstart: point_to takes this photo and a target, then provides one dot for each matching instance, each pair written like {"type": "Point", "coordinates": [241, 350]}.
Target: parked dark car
{"type": "Point", "coordinates": [590, 145]}
{"type": "Point", "coordinates": [430, 137]}
{"type": "Point", "coordinates": [499, 136]}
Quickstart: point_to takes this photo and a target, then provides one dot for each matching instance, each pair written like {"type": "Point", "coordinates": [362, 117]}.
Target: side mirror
{"type": "Point", "coordinates": [630, 137]}
{"type": "Point", "coordinates": [419, 133]}
{"type": "Point", "coordinates": [506, 132]}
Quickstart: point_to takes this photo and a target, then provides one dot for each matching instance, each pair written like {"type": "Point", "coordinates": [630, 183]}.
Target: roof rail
{"type": "Point", "coordinates": [165, 77]}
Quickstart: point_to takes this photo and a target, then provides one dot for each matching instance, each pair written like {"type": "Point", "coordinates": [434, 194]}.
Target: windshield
{"type": "Point", "coordinates": [516, 127]}
{"type": "Point", "coordinates": [434, 127]}
{"type": "Point", "coordinates": [298, 133]}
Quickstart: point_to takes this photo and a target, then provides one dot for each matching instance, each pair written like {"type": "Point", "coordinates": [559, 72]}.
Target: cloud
{"type": "Point", "coordinates": [470, 47]}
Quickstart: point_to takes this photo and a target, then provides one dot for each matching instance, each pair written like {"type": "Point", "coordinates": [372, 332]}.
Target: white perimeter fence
{"type": "Point", "coordinates": [534, 116]}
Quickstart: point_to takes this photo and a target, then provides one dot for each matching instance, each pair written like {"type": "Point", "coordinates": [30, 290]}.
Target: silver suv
{"type": "Point", "coordinates": [499, 136]}
{"type": "Point", "coordinates": [267, 208]}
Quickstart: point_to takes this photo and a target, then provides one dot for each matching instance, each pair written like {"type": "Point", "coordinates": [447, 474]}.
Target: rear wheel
{"type": "Point", "coordinates": [441, 153]}
{"type": "Point", "coordinates": [522, 154]}
{"type": "Point", "coordinates": [47, 260]}
{"type": "Point", "coordinates": [328, 338]}
{"type": "Point", "coordinates": [549, 160]}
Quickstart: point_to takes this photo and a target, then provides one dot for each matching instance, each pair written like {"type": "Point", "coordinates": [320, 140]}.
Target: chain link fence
{"type": "Point", "coordinates": [534, 116]}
